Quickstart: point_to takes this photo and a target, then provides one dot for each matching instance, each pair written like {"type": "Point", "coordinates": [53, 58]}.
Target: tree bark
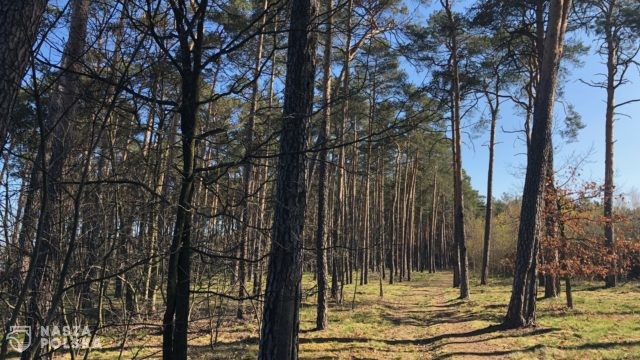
{"type": "Point", "coordinates": [381, 222]}
{"type": "Point", "coordinates": [522, 306]}
{"type": "Point", "coordinates": [431, 249]}
{"type": "Point", "coordinates": [54, 154]}
{"type": "Point", "coordinates": [551, 224]}
{"type": "Point", "coordinates": [488, 215]}
{"type": "Point", "coordinates": [321, 252]}
{"type": "Point", "coordinates": [176, 317]}
{"type": "Point", "coordinates": [458, 202]}
{"type": "Point", "coordinates": [280, 324]}
{"type": "Point", "coordinates": [247, 171]}
{"type": "Point", "coordinates": [19, 21]}
{"type": "Point", "coordinates": [612, 61]}
{"type": "Point", "coordinates": [393, 242]}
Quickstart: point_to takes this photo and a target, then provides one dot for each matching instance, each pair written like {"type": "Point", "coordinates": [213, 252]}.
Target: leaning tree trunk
{"type": "Point", "coordinates": [280, 322]}
{"type": "Point", "coordinates": [522, 306]}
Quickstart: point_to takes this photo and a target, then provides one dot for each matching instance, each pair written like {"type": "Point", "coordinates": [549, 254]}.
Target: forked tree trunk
{"type": "Point", "coordinates": [179, 269]}
{"type": "Point", "coordinates": [411, 204]}
{"type": "Point", "coordinates": [522, 306]}
{"type": "Point", "coordinates": [402, 224]}
{"type": "Point", "coordinates": [176, 316]}
{"type": "Point", "coordinates": [458, 201]}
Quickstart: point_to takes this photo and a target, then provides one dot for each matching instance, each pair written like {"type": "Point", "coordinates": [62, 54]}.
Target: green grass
{"type": "Point", "coordinates": [423, 319]}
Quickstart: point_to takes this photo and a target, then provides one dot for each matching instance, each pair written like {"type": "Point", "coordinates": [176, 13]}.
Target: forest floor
{"type": "Point", "coordinates": [423, 319]}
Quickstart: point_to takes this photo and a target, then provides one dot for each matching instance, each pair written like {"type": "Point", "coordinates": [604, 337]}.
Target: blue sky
{"type": "Point", "coordinates": [590, 103]}
{"type": "Point", "coordinates": [510, 161]}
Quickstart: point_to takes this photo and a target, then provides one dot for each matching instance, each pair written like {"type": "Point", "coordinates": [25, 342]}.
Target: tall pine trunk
{"type": "Point", "coordinates": [281, 323]}
{"type": "Point", "coordinates": [522, 306]}
{"type": "Point", "coordinates": [321, 253]}
{"type": "Point", "coordinates": [460, 250]}
{"type": "Point", "coordinates": [19, 21]}
{"type": "Point", "coordinates": [612, 62]}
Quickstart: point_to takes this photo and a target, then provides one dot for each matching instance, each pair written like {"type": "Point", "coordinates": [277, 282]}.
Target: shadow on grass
{"type": "Point", "coordinates": [246, 347]}
{"type": "Point", "coordinates": [495, 306]}
{"type": "Point", "coordinates": [489, 353]}
{"type": "Point", "coordinates": [241, 348]}
{"type": "Point", "coordinates": [400, 317]}
{"type": "Point", "coordinates": [593, 288]}
{"type": "Point", "coordinates": [451, 304]}
{"type": "Point", "coordinates": [591, 346]}
{"type": "Point", "coordinates": [434, 339]}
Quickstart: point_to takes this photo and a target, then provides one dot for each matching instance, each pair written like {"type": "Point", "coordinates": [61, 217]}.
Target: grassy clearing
{"type": "Point", "coordinates": [423, 319]}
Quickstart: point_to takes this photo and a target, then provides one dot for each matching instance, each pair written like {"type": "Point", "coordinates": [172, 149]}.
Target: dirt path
{"type": "Point", "coordinates": [421, 319]}
{"type": "Point", "coordinates": [458, 332]}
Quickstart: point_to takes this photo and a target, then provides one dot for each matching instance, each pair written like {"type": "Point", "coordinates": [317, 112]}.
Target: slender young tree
{"type": "Point", "coordinates": [248, 171]}
{"type": "Point", "coordinates": [321, 242]}
{"type": "Point", "coordinates": [432, 224]}
{"type": "Point", "coordinates": [453, 27]}
{"type": "Point", "coordinates": [491, 87]}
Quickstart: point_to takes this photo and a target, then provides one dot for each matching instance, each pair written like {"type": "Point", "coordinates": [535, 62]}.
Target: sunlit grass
{"type": "Point", "coordinates": [423, 319]}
